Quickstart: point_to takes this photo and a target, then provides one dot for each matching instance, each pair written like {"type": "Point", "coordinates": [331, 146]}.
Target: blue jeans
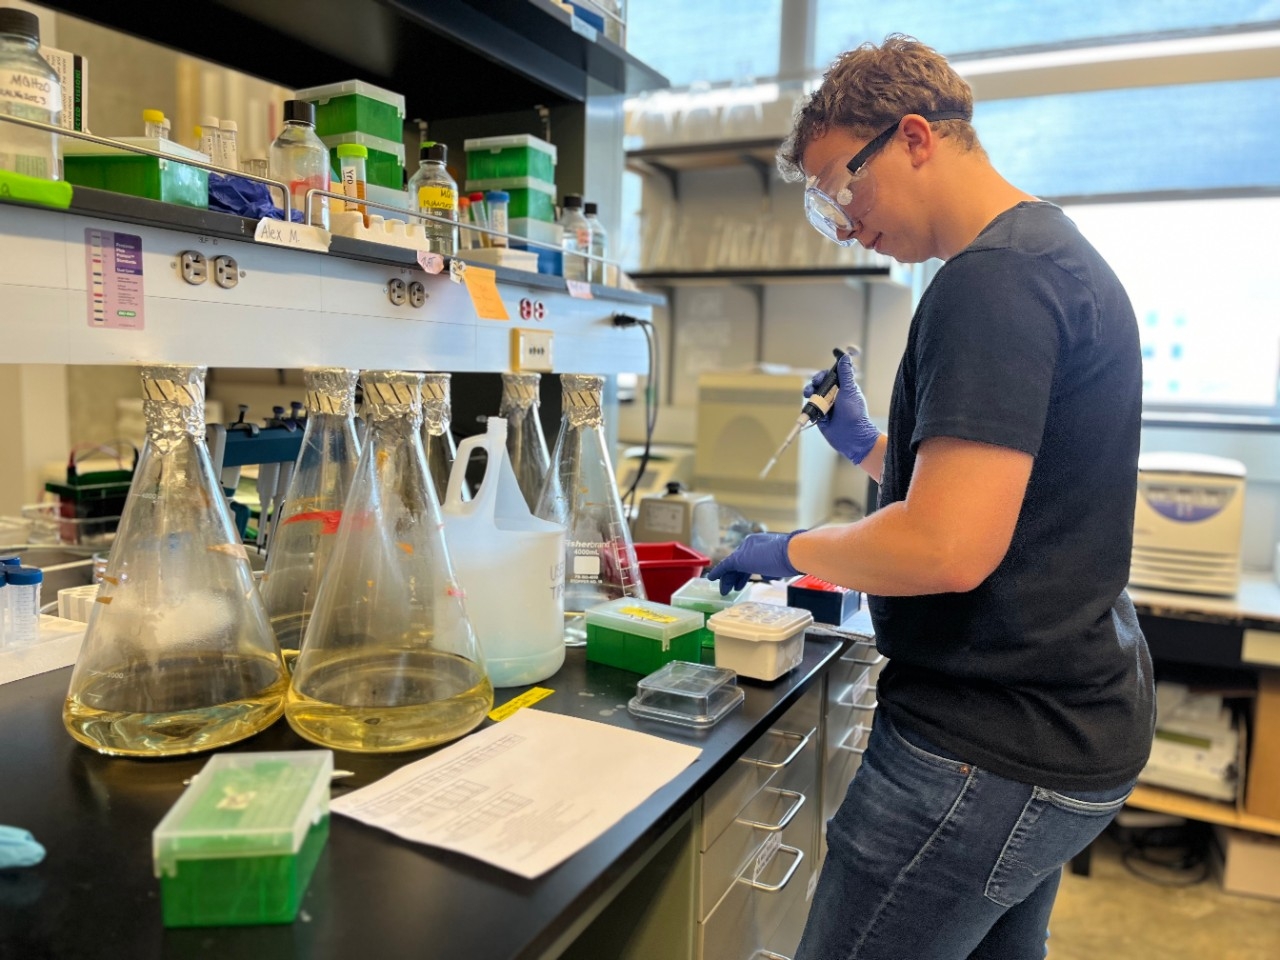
{"type": "Point", "coordinates": [931, 858]}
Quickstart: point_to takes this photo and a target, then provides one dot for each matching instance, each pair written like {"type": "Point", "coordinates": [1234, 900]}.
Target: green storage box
{"type": "Point", "coordinates": [385, 165]}
{"type": "Point", "coordinates": [641, 636]}
{"type": "Point", "coordinates": [519, 155]}
{"type": "Point", "coordinates": [530, 197]}
{"type": "Point", "coordinates": [354, 106]}
{"type": "Point", "coordinates": [90, 165]}
{"type": "Point", "coordinates": [239, 847]}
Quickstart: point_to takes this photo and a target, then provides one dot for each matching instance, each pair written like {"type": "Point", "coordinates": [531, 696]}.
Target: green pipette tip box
{"type": "Point", "coordinates": [240, 845]}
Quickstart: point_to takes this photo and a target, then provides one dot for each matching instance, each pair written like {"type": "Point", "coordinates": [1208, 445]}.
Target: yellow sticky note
{"type": "Point", "coordinates": [530, 696]}
{"type": "Point", "coordinates": [482, 284]}
{"type": "Point", "coordinates": [640, 613]}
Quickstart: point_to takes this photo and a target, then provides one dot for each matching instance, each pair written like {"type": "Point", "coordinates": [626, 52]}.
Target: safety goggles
{"type": "Point", "coordinates": [840, 195]}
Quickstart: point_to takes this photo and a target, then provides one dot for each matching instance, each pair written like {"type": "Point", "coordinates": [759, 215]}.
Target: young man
{"type": "Point", "coordinates": [1016, 708]}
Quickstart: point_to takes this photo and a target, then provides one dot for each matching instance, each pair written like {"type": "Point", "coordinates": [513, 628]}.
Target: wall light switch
{"type": "Point", "coordinates": [531, 350]}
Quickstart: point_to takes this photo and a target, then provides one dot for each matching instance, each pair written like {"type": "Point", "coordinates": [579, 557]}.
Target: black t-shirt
{"type": "Point", "coordinates": [1026, 339]}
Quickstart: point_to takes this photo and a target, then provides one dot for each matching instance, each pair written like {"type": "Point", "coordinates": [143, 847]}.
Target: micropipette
{"type": "Point", "coordinates": [815, 408]}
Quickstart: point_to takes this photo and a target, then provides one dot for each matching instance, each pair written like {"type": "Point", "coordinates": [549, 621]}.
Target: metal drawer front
{"type": "Point", "coordinates": [735, 930]}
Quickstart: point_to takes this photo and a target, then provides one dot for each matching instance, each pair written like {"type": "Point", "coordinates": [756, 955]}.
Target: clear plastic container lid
{"type": "Point", "coordinates": [245, 805]}
{"type": "Point", "coordinates": [495, 144]}
{"type": "Point", "coordinates": [691, 694]}
{"type": "Point", "coordinates": [644, 618]}
{"type": "Point", "coordinates": [512, 183]}
{"type": "Point", "coordinates": [325, 93]}
{"type": "Point", "coordinates": [751, 620]}
{"type": "Point", "coordinates": [703, 595]}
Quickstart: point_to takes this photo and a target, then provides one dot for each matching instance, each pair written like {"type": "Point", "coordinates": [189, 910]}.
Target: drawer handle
{"type": "Point", "coordinates": [785, 735]}
{"type": "Point", "coordinates": [797, 801]}
{"type": "Point", "coordinates": [875, 656]}
{"type": "Point", "coordinates": [855, 735]}
{"type": "Point", "coordinates": [797, 853]}
{"type": "Point", "coordinates": [768, 955]}
{"type": "Point", "coordinates": [857, 700]}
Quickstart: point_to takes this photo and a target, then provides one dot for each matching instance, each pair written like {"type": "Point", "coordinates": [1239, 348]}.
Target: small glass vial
{"type": "Point", "coordinates": [596, 271]}
{"type": "Point", "coordinates": [34, 93]}
{"type": "Point", "coordinates": [228, 145]}
{"type": "Point", "coordinates": [498, 201]}
{"type": "Point", "coordinates": [577, 238]}
{"type": "Point", "coordinates": [210, 138]}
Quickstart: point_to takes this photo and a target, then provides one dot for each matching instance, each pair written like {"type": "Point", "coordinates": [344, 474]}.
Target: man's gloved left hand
{"type": "Point", "coordinates": [762, 553]}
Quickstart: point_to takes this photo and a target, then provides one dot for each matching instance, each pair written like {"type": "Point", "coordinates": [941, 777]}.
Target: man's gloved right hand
{"type": "Point", "coordinates": [847, 427]}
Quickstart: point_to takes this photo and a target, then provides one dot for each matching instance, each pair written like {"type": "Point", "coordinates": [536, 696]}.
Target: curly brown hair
{"type": "Point", "coordinates": [871, 87]}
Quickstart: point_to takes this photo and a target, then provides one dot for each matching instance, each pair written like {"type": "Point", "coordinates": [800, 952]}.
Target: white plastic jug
{"type": "Point", "coordinates": [511, 566]}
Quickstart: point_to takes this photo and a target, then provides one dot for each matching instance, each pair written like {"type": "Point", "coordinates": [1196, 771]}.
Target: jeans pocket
{"type": "Point", "coordinates": [1052, 829]}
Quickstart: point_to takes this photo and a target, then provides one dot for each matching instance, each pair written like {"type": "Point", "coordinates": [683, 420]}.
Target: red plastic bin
{"type": "Point", "coordinates": [666, 567]}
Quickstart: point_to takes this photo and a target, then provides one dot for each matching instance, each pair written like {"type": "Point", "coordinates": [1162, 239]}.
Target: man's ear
{"type": "Point", "coordinates": [919, 137]}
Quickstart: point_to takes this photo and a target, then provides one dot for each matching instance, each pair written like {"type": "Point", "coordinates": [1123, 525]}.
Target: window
{"type": "Point", "coordinates": [710, 40]}
{"type": "Point", "coordinates": [960, 27]}
{"type": "Point", "coordinates": [1198, 274]}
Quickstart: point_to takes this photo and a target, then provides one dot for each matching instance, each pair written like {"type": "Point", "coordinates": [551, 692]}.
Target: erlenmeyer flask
{"type": "Point", "coordinates": [526, 446]}
{"type": "Point", "coordinates": [579, 493]}
{"type": "Point", "coordinates": [437, 440]}
{"type": "Point", "coordinates": [389, 661]}
{"type": "Point", "coordinates": [178, 655]}
{"type": "Point", "coordinates": [308, 521]}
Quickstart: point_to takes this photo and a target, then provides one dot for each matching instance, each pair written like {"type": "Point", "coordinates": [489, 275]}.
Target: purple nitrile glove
{"type": "Point", "coordinates": [846, 427]}
{"type": "Point", "coordinates": [762, 553]}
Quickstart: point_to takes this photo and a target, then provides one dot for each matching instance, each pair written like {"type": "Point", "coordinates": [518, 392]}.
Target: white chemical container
{"type": "Point", "coordinates": [759, 640]}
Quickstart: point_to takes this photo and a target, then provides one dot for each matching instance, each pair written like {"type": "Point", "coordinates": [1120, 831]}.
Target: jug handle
{"type": "Point", "coordinates": [494, 438]}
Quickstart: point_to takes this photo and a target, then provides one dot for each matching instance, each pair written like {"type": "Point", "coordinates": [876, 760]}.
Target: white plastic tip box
{"type": "Point", "coordinates": [759, 640]}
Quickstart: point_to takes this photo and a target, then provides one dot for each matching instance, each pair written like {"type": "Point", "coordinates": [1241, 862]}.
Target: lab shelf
{"type": "Point", "coordinates": [753, 277]}
{"type": "Point", "coordinates": [451, 58]}
{"type": "Point", "coordinates": [289, 308]}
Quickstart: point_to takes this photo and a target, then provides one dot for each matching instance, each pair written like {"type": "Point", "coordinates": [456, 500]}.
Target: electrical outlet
{"type": "Point", "coordinates": [531, 350]}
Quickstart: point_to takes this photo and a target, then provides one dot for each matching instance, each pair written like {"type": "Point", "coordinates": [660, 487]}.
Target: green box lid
{"type": "Point", "coordinates": [245, 805]}
{"type": "Point", "coordinates": [644, 618]}
{"type": "Point", "coordinates": [703, 595]}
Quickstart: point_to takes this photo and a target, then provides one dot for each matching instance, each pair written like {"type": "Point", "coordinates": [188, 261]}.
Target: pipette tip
{"type": "Point", "coordinates": [767, 467]}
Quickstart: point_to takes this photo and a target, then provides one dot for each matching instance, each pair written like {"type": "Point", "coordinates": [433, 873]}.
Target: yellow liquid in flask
{"type": "Point", "coordinates": [165, 711]}
{"type": "Point", "coordinates": [390, 701]}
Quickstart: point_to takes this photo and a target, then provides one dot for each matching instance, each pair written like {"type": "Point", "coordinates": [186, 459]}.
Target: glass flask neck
{"type": "Point", "coordinates": [173, 402]}
{"type": "Point", "coordinates": [581, 400]}
{"type": "Point", "coordinates": [437, 411]}
{"type": "Point", "coordinates": [519, 391]}
{"type": "Point", "coordinates": [331, 390]}
{"type": "Point", "coordinates": [393, 400]}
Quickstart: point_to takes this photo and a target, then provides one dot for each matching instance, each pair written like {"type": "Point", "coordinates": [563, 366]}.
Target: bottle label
{"type": "Point", "coordinates": [441, 201]}
{"type": "Point", "coordinates": [30, 90]}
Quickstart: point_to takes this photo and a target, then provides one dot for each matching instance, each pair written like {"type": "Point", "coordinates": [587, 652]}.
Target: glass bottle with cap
{"type": "Point", "coordinates": [178, 655]}
{"type": "Point", "coordinates": [36, 95]}
{"type": "Point", "coordinates": [228, 145]}
{"type": "Point", "coordinates": [596, 272]}
{"type": "Point", "coordinates": [210, 142]}
{"type": "Point", "coordinates": [580, 493]}
{"type": "Point", "coordinates": [390, 661]}
{"type": "Point", "coordinates": [307, 528]}
{"type": "Point", "coordinates": [299, 159]}
{"type": "Point", "coordinates": [437, 438]}
{"type": "Point", "coordinates": [526, 443]}
{"type": "Point", "coordinates": [436, 192]}
{"type": "Point", "coordinates": [577, 238]}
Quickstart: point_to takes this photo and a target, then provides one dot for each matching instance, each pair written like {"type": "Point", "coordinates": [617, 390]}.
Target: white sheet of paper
{"type": "Point", "coordinates": [524, 794]}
